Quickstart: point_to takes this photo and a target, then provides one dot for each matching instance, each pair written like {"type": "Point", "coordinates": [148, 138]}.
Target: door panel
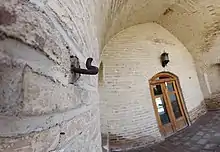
{"type": "Point", "coordinates": [162, 110]}
{"type": "Point", "coordinates": [166, 126]}
{"type": "Point", "coordinates": [182, 121]}
{"type": "Point", "coordinates": [181, 124]}
{"type": "Point", "coordinates": [178, 115]}
{"type": "Point", "coordinates": [168, 129]}
{"type": "Point", "coordinates": [176, 105]}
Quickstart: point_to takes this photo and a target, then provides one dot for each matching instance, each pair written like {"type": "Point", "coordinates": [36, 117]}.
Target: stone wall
{"type": "Point", "coordinates": [130, 59]}
{"type": "Point", "coordinates": [39, 110]}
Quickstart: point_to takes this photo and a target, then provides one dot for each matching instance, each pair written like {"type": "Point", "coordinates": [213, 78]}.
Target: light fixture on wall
{"type": "Point", "coordinates": [164, 59]}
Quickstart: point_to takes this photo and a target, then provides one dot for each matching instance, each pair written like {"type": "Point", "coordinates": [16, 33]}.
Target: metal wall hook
{"type": "Point", "coordinates": [76, 70]}
{"type": "Point", "coordinates": [91, 70]}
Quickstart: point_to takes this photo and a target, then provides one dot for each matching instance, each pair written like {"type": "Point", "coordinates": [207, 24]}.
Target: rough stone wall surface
{"type": "Point", "coordinates": [130, 59]}
{"type": "Point", "coordinates": [39, 110]}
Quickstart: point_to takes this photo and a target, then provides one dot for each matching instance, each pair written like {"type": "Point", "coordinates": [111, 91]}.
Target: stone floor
{"type": "Point", "coordinates": [202, 136]}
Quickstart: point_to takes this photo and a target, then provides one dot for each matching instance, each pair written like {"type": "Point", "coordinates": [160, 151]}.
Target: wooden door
{"type": "Point", "coordinates": [168, 105]}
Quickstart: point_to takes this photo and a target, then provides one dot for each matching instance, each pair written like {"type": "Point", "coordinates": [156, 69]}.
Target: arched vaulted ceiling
{"type": "Point", "coordinates": [194, 22]}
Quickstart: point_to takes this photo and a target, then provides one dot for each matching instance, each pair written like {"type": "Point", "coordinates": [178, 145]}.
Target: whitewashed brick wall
{"type": "Point", "coordinates": [130, 59]}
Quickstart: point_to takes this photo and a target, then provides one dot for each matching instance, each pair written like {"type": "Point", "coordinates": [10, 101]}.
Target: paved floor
{"type": "Point", "coordinates": [202, 136]}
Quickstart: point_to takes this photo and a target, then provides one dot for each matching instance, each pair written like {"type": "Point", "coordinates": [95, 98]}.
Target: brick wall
{"type": "Point", "coordinates": [130, 59]}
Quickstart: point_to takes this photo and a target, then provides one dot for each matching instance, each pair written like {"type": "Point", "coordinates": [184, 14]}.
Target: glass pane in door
{"type": "Point", "coordinates": [175, 105]}
{"type": "Point", "coordinates": [169, 86]}
{"type": "Point", "coordinates": [161, 107]}
{"type": "Point", "coordinates": [157, 90]}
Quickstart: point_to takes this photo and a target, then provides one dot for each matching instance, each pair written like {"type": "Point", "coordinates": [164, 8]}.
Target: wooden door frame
{"type": "Point", "coordinates": [172, 77]}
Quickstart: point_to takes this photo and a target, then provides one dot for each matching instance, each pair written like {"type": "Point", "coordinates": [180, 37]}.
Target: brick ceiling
{"type": "Point", "coordinates": [194, 22]}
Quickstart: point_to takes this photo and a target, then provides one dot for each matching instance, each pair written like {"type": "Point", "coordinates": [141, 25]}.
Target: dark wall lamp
{"type": "Point", "coordinates": [164, 59]}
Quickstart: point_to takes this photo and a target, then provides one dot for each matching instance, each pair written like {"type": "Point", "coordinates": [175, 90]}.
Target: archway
{"type": "Point", "coordinates": [131, 58]}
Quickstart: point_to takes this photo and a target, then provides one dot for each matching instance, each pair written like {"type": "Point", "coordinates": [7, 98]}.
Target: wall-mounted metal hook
{"type": "Point", "coordinates": [76, 70]}
{"type": "Point", "coordinates": [91, 70]}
